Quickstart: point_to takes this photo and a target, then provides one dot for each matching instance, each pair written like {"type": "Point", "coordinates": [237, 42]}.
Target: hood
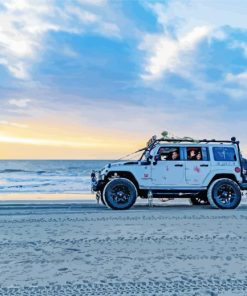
{"type": "Point", "coordinates": [116, 164]}
{"type": "Point", "coordinates": [122, 163]}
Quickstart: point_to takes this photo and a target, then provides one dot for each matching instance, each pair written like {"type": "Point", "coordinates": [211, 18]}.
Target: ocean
{"type": "Point", "coordinates": [47, 176]}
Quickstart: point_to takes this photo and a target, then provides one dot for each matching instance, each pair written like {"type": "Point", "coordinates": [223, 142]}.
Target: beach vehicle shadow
{"type": "Point", "coordinates": [92, 207]}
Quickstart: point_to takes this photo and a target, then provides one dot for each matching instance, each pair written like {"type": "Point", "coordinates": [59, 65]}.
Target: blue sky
{"type": "Point", "coordinates": [130, 69]}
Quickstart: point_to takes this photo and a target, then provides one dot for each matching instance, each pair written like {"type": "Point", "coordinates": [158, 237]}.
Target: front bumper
{"type": "Point", "coordinates": [96, 185]}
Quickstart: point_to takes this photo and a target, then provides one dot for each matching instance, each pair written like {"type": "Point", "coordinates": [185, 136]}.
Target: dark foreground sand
{"type": "Point", "coordinates": [86, 249]}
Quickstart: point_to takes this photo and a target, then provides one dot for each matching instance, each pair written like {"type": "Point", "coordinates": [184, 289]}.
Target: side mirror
{"type": "Point", "coordinates": [156, 158]}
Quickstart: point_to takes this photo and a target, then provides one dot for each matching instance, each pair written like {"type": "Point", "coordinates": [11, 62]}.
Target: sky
{"type": "Point", "coordinates": [95, 79]}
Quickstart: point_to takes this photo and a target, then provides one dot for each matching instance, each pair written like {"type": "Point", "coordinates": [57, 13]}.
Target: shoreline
{"type": "Point", "coordinates": [23, 196]}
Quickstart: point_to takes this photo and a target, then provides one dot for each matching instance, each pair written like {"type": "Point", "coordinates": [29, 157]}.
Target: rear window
{"type": "Point", "coordinates": [197, 153]}
{"type": "Point", "coordinates": [224, 154]}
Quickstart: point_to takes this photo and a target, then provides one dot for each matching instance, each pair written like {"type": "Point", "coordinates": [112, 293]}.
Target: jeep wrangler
{"type": "Point", "coordinates": [206, 171]}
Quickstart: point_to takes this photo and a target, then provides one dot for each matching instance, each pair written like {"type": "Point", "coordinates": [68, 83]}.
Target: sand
{"type": "Point", "coordinates": [86, 249]}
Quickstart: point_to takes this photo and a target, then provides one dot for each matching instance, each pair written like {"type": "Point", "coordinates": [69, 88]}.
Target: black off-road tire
{"type": "Point", "coordinates": [224, 194]}
{"type": "Point", "coordinates": [102, 199]}
{"type": "Point", "coordinates": [120, 194]}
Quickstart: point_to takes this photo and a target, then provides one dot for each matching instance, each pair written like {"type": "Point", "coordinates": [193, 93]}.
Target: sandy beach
{"type": "Point", "coordinates": [86, 249]}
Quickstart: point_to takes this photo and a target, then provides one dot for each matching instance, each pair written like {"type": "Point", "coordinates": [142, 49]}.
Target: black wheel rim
{"type": "Point", "coordinates": [120, 194]}
{"type": "Point", "coordinates": [226, 195]}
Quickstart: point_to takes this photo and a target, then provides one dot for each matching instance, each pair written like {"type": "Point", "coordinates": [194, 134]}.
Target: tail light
{"type": "Point", "coordinates": [237, 169]}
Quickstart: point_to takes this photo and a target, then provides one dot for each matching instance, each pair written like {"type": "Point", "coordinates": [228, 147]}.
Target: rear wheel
{"type": "Point", "coordinates": [224, 194]}
{"type": "Point", "coordinates": [120, 194]}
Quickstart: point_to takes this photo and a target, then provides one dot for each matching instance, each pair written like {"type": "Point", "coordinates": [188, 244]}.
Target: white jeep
{"type": "Point", "coordinates": [206, 171]}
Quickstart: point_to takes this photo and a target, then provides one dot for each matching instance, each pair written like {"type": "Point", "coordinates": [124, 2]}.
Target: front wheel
{"type": "Point", "coordinates": [102, 199]}
{"type": "Point", "coordinates": [224, 194]}
{"type": "Point", "coordinates": [120, 194]}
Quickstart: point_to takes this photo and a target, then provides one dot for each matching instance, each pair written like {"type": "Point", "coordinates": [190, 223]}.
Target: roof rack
{"type": "Point", "coordinates": [154, 140]}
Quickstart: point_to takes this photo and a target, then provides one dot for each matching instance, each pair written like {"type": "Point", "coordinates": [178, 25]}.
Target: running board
{"type": "Point", "coordinates": [175, 189]}
{"type": "Point", "coordinates": [174, 193]}
{"type": "Point", "coordinates": [178, 194]}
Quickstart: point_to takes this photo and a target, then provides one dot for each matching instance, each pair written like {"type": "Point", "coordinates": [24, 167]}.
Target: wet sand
{"type": "Point", "coordinates": [45, 196]}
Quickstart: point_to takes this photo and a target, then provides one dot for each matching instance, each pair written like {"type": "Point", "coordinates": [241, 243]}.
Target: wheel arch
{"type": "Point", "coordinates": [223, 176]}
{"type": "Point", "coordinates": [124, 174]}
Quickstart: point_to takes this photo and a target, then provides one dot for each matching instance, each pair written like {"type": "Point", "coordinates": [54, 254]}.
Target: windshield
{"type": "Point", "coordinates": [146, 154]}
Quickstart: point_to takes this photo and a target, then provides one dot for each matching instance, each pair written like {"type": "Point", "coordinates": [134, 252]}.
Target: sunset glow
{"type": "Point", "coordinates": [44, 143]}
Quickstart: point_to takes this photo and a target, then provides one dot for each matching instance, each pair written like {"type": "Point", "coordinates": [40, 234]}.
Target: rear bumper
{"type": "Point", "coordinates": [243, 186]}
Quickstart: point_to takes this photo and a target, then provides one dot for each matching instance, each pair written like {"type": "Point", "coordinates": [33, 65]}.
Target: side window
{"type": "Point", "coordinates": [168, 153]}
{"type": "Point", "coordinates": [224, 154]}
{"type": "Point", "coordinates": [197, 153]}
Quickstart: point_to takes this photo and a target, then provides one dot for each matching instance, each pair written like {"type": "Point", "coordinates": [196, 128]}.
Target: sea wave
{"type": "Point", "coordinates": [47, 176]}
{"type": "Point", "coordinates": [13, 171]}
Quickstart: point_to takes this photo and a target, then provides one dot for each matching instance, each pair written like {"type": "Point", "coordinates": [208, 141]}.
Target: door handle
{"type": "Point", "coordinates": [179, 165]}
{"type": "Point", "coordinates": [204, 165]}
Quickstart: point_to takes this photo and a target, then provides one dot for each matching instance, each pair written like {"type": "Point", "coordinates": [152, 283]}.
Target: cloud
{"type": "Point", "coordinates": [238, 83]}
{"type": "Point", "coordinates": [48, 142]}
{"type": "Point", "coordinates": [166, 53]}
{"type": "Point", "coordinates": [94, 21]}
{"type": "Point", "coordinates": [183, 16]}
{"type": "Point", "coordinates": [13, 124]}
{"type": "Point", "coordinates": [25, 24]}
{"type": "Point", "coordinates": [184, 24]}
{"type": "Point", "coordinates": [240, 78]}
{"type": "Point", "coordinates": [93, 2]}
{"type": "Point", "coordinates": [21, 103]}
{"type": "Point", "coordinates": [240, 44]}
{"type": "Point", "coordinates": [69, 52]}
